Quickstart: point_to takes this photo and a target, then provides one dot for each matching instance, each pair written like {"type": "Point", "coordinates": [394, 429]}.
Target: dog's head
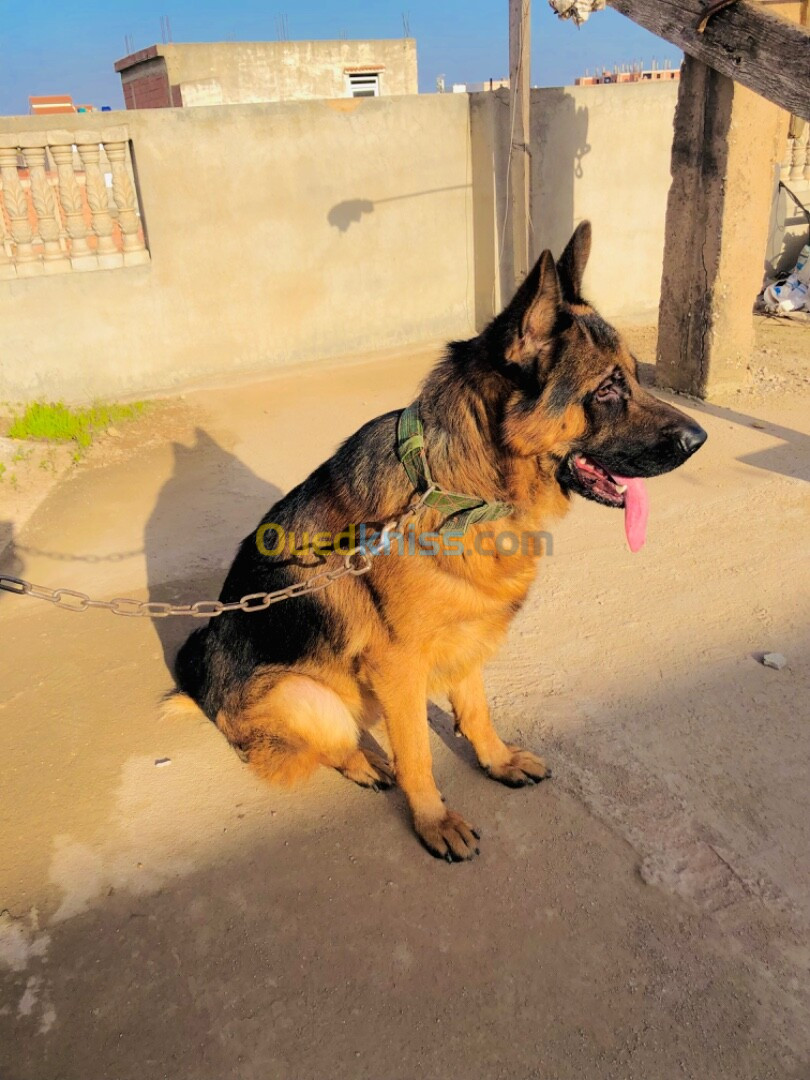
{"type": "Point", "coordinates": [577, 402]}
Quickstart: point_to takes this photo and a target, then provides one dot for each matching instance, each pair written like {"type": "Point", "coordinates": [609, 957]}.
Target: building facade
{"type": "Point", "coordinates": [629, 73]}
{"type": "Point", "coordinates": [481, 87]}
{"type": "Point", "coordinates": [54, 104]}
{"type": "Point", "coordinates": [241, 73]}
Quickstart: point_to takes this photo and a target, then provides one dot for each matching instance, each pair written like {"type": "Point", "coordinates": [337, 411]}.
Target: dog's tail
{"type": "Point", "coordinates": [190, 670]}
{"type": "Point", "coordinates": [190, 696]}
{"type": "Point", "coordinates": [176, 705]}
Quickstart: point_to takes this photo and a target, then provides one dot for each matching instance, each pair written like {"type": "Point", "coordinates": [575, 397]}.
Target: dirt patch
{"type": "Point", "coordinates": [30, 469]}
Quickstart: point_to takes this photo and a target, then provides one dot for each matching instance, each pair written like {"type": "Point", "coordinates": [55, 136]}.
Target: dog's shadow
{"type": "Point", "coordinates": [209, 504]}
{"type": "Point", "coordinates": [443, 724]}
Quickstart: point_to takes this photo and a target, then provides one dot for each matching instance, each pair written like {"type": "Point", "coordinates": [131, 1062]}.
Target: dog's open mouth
{"type": "Point", "coordinates": [595, 482]}
{"type": "Point", "coordinates": [598, 482]}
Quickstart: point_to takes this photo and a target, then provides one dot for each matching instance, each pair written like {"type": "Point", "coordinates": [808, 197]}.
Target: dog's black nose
{"type": "Point", "coordinates": [691, 439]}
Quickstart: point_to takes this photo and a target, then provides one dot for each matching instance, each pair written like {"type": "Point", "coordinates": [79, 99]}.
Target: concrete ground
{"type": "Point", "coordinates": [645, 914]}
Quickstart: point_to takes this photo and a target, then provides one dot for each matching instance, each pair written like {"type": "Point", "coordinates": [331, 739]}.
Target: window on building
{"type": "Point", "coordinates": [364, 84]}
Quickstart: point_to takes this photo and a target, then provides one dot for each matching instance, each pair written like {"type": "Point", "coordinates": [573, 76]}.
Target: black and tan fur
{"type": "Point", "coordinates": [293, 687]}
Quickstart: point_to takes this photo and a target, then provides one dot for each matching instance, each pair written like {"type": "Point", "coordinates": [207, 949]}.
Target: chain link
{"type": "Point", "coordinates": [356, 562]}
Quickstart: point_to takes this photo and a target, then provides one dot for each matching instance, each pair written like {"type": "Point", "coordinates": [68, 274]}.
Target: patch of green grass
{"type": "Point", "coordinates": [2, 469]}
{"type": "Point", "coordinates": [57, 422]}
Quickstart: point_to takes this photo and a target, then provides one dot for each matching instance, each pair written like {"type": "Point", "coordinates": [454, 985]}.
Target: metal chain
{"type": "Point", "coordinates": [356, 562]}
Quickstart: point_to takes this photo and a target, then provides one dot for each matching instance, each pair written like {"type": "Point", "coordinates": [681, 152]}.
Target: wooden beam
{"type": "Point", "coordinates": [757, 48]}
{"type": "Point", "coordinates": [519, 113]}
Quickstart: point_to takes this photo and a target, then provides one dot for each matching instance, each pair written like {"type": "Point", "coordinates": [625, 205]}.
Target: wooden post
{"type": "Point", "coordinates": [727, 144]}
{"type": "Point", "coordinates": [519, 115]}
{"type": "Point", "coordinates": [725, 154]}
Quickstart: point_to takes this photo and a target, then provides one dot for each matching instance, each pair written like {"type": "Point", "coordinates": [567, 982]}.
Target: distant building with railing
{"type": "Point", "coordinates": [629, 73]}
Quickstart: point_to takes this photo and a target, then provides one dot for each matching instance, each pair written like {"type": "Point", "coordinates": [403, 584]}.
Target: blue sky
{"type": "Point", "coordinates": [50, 47]}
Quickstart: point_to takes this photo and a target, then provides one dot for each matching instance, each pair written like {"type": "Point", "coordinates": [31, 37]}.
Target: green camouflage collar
{"type": "Point", "coordinates": [461, 511]}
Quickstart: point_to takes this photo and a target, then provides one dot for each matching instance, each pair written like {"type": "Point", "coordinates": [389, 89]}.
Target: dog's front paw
{"type": "Point", "coordinates": [448, 837]}
{"type": "Point", "coordinates": [522, 768]}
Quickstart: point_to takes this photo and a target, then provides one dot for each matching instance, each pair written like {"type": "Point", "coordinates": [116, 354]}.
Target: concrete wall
{"type": "Point", "coordinates": [598, 152]}
{"type": "Point", "coordinates": [295, 232]}
{"type": "Point", "coordinates": [249, 72]}
{"type": "Point", "coordinates": [278, 233]}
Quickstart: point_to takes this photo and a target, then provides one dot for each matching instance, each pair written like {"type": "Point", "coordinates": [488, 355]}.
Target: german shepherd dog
{"type": "Point", "coordinates": [543, 404]}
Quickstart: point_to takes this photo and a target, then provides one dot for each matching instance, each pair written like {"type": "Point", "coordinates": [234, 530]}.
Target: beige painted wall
{"type": "Point", "coordinates": [233, 73]}
{"type": "Point", "coordinates": [285, 233]}
{"type": "Point", "coordinates": [598, 152]}
{"type": "Point", "coordinates": [603, 152]}
{"type": "Point", "coordinates": [278, 234]}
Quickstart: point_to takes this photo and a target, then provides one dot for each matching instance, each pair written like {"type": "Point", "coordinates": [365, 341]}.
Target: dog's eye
{"type": "Point", "coordinates": [612, 388]}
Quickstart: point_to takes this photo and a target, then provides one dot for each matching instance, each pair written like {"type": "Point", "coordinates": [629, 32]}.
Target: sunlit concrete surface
{"type": "Point", "coordinates": [645, 914]}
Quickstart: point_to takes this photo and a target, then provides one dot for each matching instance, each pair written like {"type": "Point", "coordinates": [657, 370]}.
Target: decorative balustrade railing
{"type": "Point", "coordinates": [68, 202]}
{"type": "Point", "coordinates": [796, 162]}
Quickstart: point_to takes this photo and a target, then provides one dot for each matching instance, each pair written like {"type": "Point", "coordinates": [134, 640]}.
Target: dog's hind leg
{"type": "Point", "coordinates": [297, 724]}
{"type": "Point", "coordinates": [509, 764]}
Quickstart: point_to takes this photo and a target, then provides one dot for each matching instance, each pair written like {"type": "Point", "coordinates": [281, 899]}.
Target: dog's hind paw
{"type": "Point", "coordinates": [369, 770]}
{"type": "Point", "coordinates": [523, 768]}
{"type": "Point", "coordinates": [449, 837]}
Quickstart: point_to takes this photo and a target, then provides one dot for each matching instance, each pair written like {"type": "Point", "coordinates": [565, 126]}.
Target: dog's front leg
{"type": "Point", "coordinates": [509, 764]}
{"type": "Point", "coordinates": [443, 832]}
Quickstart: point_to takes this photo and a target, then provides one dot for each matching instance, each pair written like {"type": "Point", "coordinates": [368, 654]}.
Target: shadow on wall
{"type": "Point", "coordinates": [559, 145]}
{"type": "Point", "coordinates": [209, 504]}
{"type": "Point", "coordinates": [344, 214]}
{"type": "Point", "coordinates": [350, 211]}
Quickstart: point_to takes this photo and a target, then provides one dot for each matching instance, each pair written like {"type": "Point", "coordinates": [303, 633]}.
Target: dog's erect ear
{"type": "Point", "coordinates": [573, 261]}
{"type": "Point", "coordinates": [529, 321]}
{"type": "Point", "coordinates": [540, 317]}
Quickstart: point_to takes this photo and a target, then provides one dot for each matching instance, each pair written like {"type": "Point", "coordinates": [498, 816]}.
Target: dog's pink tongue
{"type": "Point", "coordinates": [636, 511]}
